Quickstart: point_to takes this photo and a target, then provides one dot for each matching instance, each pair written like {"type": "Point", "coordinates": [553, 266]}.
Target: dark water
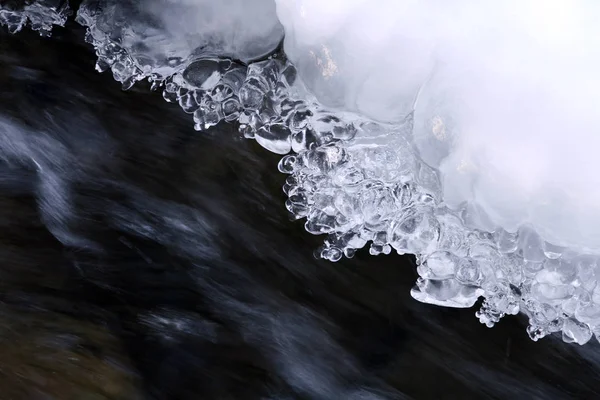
{"type": "Point", "coordinates": [140, 259]}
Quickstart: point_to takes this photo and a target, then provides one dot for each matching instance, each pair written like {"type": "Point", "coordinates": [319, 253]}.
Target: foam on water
{"type": "Point", "coordinates": [461, 133]}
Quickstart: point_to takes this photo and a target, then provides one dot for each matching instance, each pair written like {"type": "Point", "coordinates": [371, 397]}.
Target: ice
{"type": "Point", "coordinates": [361, 183]}
{"type": "Point", "coordinates": [504, 95]}
{"type": "Point", "coordinates": [338, 45]}
{"type": "Point", "coordinates": [461, 133]}
{"type": "Point", "coordinates": [499, 98]}
{"type": "Point", "coordinates": [157, 38]}
{"type": "Point", "coordinates": [41, 15]}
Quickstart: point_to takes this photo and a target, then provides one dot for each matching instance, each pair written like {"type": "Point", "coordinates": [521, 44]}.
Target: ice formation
{"type": "Point", "coordinates": [158, 38]}
{"type": "Point", "coordinates": [518, 79]}
{"type": "Point", "coordinates": [42, 15]}
{"type": "Point", "coordinates": [461, 133]}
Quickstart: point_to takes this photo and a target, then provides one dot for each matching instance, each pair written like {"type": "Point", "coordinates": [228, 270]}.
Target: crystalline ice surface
{"type": "Point", "coordinates": [501, 99]}
{"type": "Point", "coordinates": [159, 37]}
{"type": "Point", "coordinates": [505, 96]}
{"type": "Point", "coordinates": [462, 132]}
{"type": "Point", "coordinates": [42, 15]}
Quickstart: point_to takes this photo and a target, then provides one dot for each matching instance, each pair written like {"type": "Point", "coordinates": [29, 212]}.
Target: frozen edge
{"type": "Point", "coordinates": [38, 16]}
{"type": "Point", "coordinates": [456, 264]}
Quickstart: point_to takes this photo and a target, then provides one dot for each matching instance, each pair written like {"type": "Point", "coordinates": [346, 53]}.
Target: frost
{"type": "Point", "coordinates": [40, 14]}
